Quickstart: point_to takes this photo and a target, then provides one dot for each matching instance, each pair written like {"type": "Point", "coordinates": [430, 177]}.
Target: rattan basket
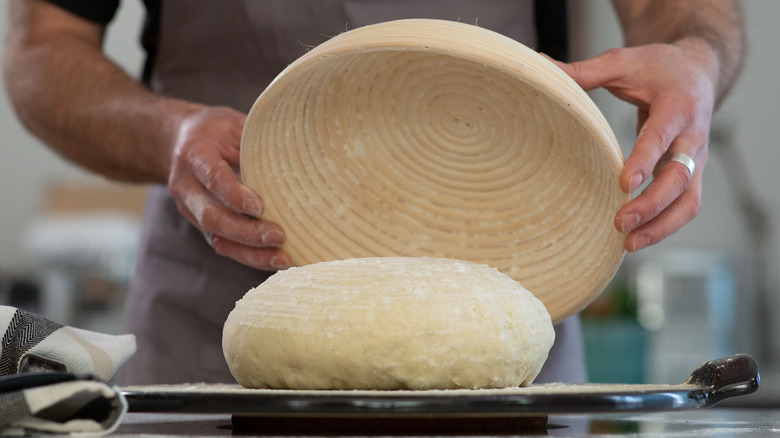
{"type": "Point", "coordinates": [438, 138]}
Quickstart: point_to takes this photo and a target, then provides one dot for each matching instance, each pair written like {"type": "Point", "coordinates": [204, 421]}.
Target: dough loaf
{"type": "Point", "coordinates": [387, 323]}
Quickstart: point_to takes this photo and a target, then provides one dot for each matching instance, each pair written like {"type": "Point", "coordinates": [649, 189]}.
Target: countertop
{"type": "Point", "coordinates": [709, 422]}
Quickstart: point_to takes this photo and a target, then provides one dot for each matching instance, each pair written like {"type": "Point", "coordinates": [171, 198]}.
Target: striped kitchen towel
{"type": "Point", "coordinates": [58, 403]}
{"type": "Point", "coordinates": [33, 343]}
{"type": "Point", "coordinates": [53, 378]}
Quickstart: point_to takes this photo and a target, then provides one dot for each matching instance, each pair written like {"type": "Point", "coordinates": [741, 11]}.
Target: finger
{"type": "Point", "coordinates": [679, 213]}
{"type": "Point", "coordinates": [669, 183]}
{"type": "Point", "coordinates": [248, 231]}
{"type": "Point", "coordinates": [671, 180]}
{"type": "Point", "coordinates": [210, 215]}
{"type": "Point", "coordinates": [594, 72]}
{"type": "Point", "coordinates": [267, 259]}
{"type": "Point", "coordinates": [219, 178]}
{"type": "Point", "coordinates": [662, 126]}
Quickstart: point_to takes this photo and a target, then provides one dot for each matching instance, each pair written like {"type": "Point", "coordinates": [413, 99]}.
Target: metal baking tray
{"type": "Point", "coordinates": [709, 384]}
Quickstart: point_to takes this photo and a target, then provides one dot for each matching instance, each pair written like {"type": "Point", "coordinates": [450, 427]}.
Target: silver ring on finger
{"type": "Point", "coordinates": [681, 158]}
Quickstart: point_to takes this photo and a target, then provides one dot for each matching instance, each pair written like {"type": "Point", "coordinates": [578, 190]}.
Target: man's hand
{"type": "Point", "coordinates": [209, 194]}
{"type": "Point", "coordinates": [681, 59]}
{"type": "Point", "coordinates": [673, 89]}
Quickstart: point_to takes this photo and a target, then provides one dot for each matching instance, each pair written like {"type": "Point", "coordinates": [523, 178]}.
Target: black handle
{"type": "Point", "coordinates": [726, 377]}
{"type": "Point", "coordinates": [18, 382]}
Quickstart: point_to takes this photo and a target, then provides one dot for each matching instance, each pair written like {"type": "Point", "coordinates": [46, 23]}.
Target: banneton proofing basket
{"type": "Point", "coordinates": [437, 138]}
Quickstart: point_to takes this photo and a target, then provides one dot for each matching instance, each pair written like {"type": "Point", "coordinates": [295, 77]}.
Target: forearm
{"type": "Point", "coordinates": [81, 104]}
{"type": "Point", "coordinates": [712, 28]}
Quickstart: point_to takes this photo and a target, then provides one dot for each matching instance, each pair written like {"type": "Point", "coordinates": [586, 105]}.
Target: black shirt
{"type": "Point", "coordinates": [103, 11]}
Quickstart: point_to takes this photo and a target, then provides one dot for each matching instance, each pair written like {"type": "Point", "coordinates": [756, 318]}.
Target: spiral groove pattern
{"type": "Point", "coordinates": [367, 148]}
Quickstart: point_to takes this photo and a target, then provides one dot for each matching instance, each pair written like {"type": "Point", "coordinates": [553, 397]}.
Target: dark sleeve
{"type": "Point", "coordinates": [552, 28]}
{"type": "Point", "coordinates": [98, 11]}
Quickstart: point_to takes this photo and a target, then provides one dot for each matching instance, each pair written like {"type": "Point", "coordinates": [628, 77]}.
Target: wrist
{"type": "Point", "coordinates": [699, 49]}
{"type": "Point", "coordinates": [169, 116]}
{"type": "Point", "coordinates": [721, 62]}
{"type": "Point", "coordinates": [706, 63]}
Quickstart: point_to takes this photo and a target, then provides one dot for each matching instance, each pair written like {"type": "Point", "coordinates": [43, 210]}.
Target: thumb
{"type": "Point", "coordinates": [589, 73]}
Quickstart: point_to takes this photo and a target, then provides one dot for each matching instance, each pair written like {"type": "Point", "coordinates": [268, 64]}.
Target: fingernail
{"type": "Point", "coordinates": [640, 242]}
{"type": "Point", "coordinates": [273, 238]}
{"type": "Point", "coordinates": [279, 263]}
{"type": "Point", "coordinates": [252, 206]}
{"type": "Point", "coordinates": [630, 221]}
{"type": "Point", "coordinates": [634, 182]}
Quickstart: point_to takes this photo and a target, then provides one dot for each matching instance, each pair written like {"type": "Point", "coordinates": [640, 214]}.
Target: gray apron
{"type": "Point", "coordinates": [225, 53]}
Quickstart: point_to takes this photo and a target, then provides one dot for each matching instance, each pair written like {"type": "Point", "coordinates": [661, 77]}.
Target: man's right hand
{"type": "Point", "coordinates": [208, 192]}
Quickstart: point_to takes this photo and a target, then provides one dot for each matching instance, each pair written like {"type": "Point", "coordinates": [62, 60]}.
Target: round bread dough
{"type": "Point", "coordinates": [387, 323]}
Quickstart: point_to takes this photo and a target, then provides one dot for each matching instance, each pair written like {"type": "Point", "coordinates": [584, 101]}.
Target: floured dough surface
{"type": "Point", "coordinates": [387, 323]}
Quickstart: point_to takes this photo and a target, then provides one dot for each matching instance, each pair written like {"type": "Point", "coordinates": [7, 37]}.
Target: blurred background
{"type": "Point", "coordinates": [67, 238]}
